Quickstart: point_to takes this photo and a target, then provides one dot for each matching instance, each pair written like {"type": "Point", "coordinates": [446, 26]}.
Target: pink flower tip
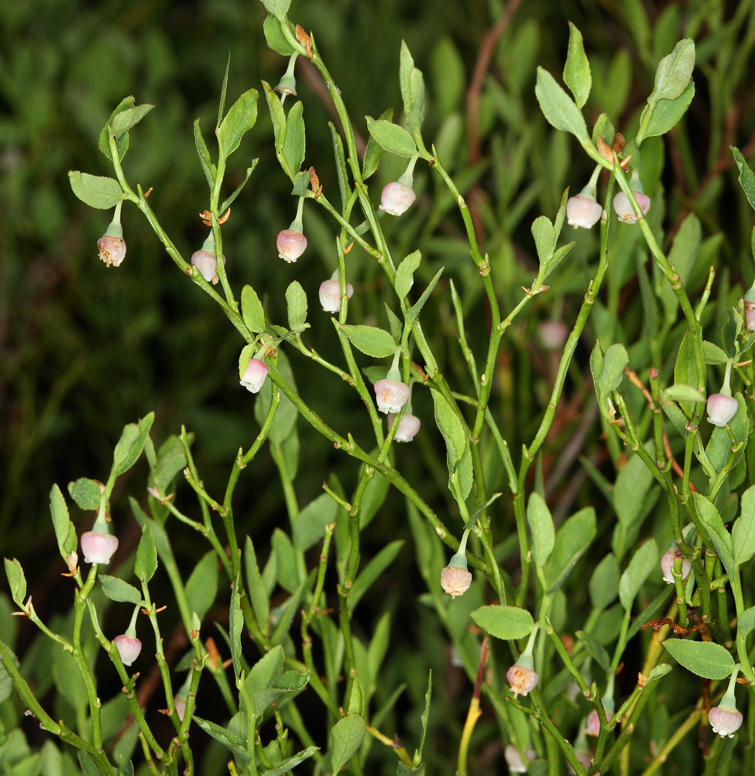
{"type": "Point", "coordinates": [397, 198]}
{"type": "Point", "coordinates": [330, 295]}
{"type": "Point", "coordinates": [623, 207]}
{"type": "Point", "coordinates": [291, 245]}
{"type": "Point", "coordinates": [128, 649]}
{"type": "Point", "coordinates": [408, 426]}
{"type": "Point", "coordinates": [98, 547]}
{"type": "Point", "coordinates": [667, 566]}
{"type": "Point", "coordinates": [553, 334]}
{"type": "Point", "coordinates": [583, 211]}
{"type": "Point", "coordinates": [521, 679]}
{"type": "Point", "coordinates": [207, 264]}
{"type": "Point", "coordinates": [725, 722]}
{"type": "Point", "coordinates": [391, 395]}
{"type": "Point", "coordinates": [112, 250]}
{"type": "Point", "coordinates": [721, 409]}
{"type": "Point", "coordinates": [254, 375]}
{"type": "Point", "coordinates": [593, 724]}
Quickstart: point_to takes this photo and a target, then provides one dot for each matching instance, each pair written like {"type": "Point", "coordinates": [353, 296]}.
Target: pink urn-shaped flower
{"type": "Point", "coordinates": [330, 295]}
{"type": "Point", "coordinates": [522, 678]}
{"type": "Point", "coordinates": [593, 724]}
{"type": "Point", "coordinates": [397, 198]}
{"type": "Point", "coordinates": [391, 395]}
{"type": "Point", "coordinates": [722, 407]}
{"type": "Point", "coordinates": [254, 375]}
{"type": "Point", "coordinates": [749, 315]}
{"type": "Point", "coordinates": [725, 722]}
{"type": "Point", "coordinates": [667, 565]}
{"type": "Point", "coordinates": [112, 250]}
{"type": "Point", "coordinates": [623, 207]}
{"type": "Point", "coordinates": [408, 426]}
{"type": "Point", "coordinates": [291, 245]}
{"type": "Point", "coordinates": [583, 211]}
{"type": "Point", "coordinates": [207, 264]}
{"type": "Point", "coordinates": [455, 580]}
{"type": "Point", "coordinates": [98, 547]}
{"type": "Point", "coordinates": [128, 648]}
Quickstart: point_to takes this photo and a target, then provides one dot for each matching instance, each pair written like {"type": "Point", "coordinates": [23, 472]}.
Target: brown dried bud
{"type": "Point", "coordinates": [619, 144]}
{"type": "Point", "coordinates": [605, 150]}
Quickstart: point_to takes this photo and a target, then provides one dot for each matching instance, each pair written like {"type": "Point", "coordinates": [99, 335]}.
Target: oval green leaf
{"type": "Point", "coordinates": [703, 658]}
{"type": "Point", "coordinates": [504, 622]}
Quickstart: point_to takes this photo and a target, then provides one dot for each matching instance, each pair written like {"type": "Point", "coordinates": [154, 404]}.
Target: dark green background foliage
{"type": "Point", "coordinates": [85, 349]}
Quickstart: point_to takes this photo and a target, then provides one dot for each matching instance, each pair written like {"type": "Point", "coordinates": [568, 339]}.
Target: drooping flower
{"type": "Point", "coordinates": [207, 264]}
{"type": "Point", "coordinates": [397, 198]}
{"type": "Point", "coordinates": [287, 84]}
{"type": "Point", "coordinates": [455, 578]}
{"type": "Point", "coordinates": [623, 207]}
{"type": "Point", "coordinates": [725, 719]}
{"type": "Point", "coordinates": [112, 250]}
{"type": "Point", "coordinates": [330, 295]}
{"type": "Point", "coordinates": [291, 242]}
{"type": "Point", "coordinates": [583, 211]}
{"type": "Point", "coordinates": [391, 395]}
{"type": "Point", "coordinates": [408, 426]}
{"type": "Point", "coordinates": [667, 565]}
{"type": "Point", "coordinates": [98, 547]}
{"type": "Point", "coordinates": [128, 648]}
{"type": "Point", "coordinates": [722, 407]}
{"type": "Point", "coordinates": [254, 375]}
{"type": "Point", "coordinates": [593, 724]}
{"type": "Point", "coordinates": [521, 678]}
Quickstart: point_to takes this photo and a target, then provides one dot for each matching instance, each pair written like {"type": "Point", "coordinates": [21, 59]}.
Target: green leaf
{"type": "Point", "coordinates": [746, 623]}
{"type": "Point", "coordinates": [131, 443]}
{"type": "Point", "coordinates": [413, 312]}
{"type": "Point", "coordinates": [278, 8]}
{"type": "Point", "coordinates": [374, 150]}
{"type": "Point", "coordinates": [372, 571]}
{"type": "Point", "coordinates": [239, 120]}
{"type": "Point", "coordinates": [202, 585]}
{"type": "Point", "coordinates": [684, 393]}
{"type": "Point", "coordinates": [265, 671]}
{"type": "Point", "coordinates": [713, 354]}
{"type": "Point", "coordinates": [596, 650]}
{"type": "Point", "coordinates": [541, 525]}
{"type": "Point", "coordinates": [356, 699]}
{"type": "Point", "coordinates": [236, 626]}
{"type": "Point", "coordinates": [16, 580]}
{"type": "Point", "coordinates": [294, 144]}
{"type": "Point", "coordinates": [604, 582]}
{"type": "Point", "coordinates": [86, 493]}
{"type": "Point", "coordinates": [291, 762]}
{"type": "Point", "coordinates": [668, 113]}
{"type": "Point", "coordinates": [256, 587]}
{"type": "Point", "coordinates": [643, 563]}
{"type": "Point", "coordinates": [572, 540]}
{"type": "Point", "coordinates": [674, 72]}
{"type": "Point", "coordinates": [405, 274]}
{"type": "Point", "coordinates": [284, 422]}
{"type": "Point", "coordinates": [230, 741]}
{"type": "Point", "coordinates": [251, 310]}
{"type": "Point", "coordinates": [703, 658]}
{"type": "Point", "coordinates": [296, 299]}
{"type": "Point", "coordinates": [504, 622]}
{"type": "Point", "coordinates": [129, 118]}
{"type": "Point", "coordinates": [343, 175]}
{"type": "Point", "coordinates": [545, 238]}
{"type": "Point", "coordinates": [721, 538]}
{"type": "Point", "coordinates": [122, 141]}
{"type": "Point", "coordinates": [614, 362]}
{"type": "Point", "coordinates": [425, 715]}
{"type": "Point", "coordinates": [685, 369]}
{"type": "Point", "coordinates": [65, 533]}
{"type": "Point", "coordinates": [370, 340]}
{"type": "Point", "coordinates": [412, 89]}
{"type": "Point", "coordinates": [577, 69]}
{"type": "Point", "coordinates": [743, 530]}
{"type": "Point", "coordinates": [118, 590]}
{"type": "Point", "coordinates": [391, 137]}
{"type": "Point", "coordinates": [308, 526]}
{"type": "Point", "coordinates": [347, 736]}
{"type": "Point", "coordinates": [558, 108]}
{"type": "Point", "coordinates": [278, 116]}
{"type": "Point", "coordinates": [373, 498]}
{"type": "Point", "coordinates": [292, 606]}
{"type": "Point", "coordinates": [146, 555]}
{"type": "Point", "coordinates": [170, 460]}
{"type": "Point", "coordinates": [746, 176]}
{"type": "Point", "coordinates": [275, 38]}
{"type": "Point", "coordinates": [288, 682]}
{"type": "Point", "coordinates": [95, 190]}
{"type": "Point", "coordinates": [452, 429]}
{"type": "Point", "coordinates": [230, 200]}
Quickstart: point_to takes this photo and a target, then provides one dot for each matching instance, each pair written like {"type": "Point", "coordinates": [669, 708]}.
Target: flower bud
{"type": "Point", "coordinates": [514, 759]}
{"type": "Point", "coordinates": [330, 295]}
{"type": "Point", "coordinates": [408, 426]}
{"type": "Point", "coordinates": [291, 245]}
{"type": "Point", "coordinates": [583, 211]}
{"type": "Point", "coordinates": [455, 580]}
{"type": "Point", "coordinates": [128, 649]}
{"type": "Point", "coordinates": [749, 314]}
{"type": "Point", "coordinates": [72, 561]}
{"type": "Point", "coordinates": [521, 679]}
{"type": "Point", "coordinates": [553, 334]}
{"type": "Point", "coordinates": [180, 704]}
{"type": "Point", "coordinates": [254, 375]}
{"type": "Point", "coordinates": [593, 724]}
{"type": "Point", "coordinates": [667, 565]}
{"type": "Point", "coordinates": [207, 264]}
{"type": "Point", "coordinates": [98, 547]}
{"type": "Point", "coordinates": [721, 409]}
{"type": "Point", "coordinates": [391, 395]}
{"type": "Point", "coordinates": [623, 207]}
{"type": "Point", "coordinates": [112, 249]}
{"type": "Point", "coordinates": [396, 198]}
{"type": "Point", "coordinates": [725, 722]}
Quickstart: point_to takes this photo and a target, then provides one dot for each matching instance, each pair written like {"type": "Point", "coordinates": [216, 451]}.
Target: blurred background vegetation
{"type": "Point", "coordinates": [85, 349]}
